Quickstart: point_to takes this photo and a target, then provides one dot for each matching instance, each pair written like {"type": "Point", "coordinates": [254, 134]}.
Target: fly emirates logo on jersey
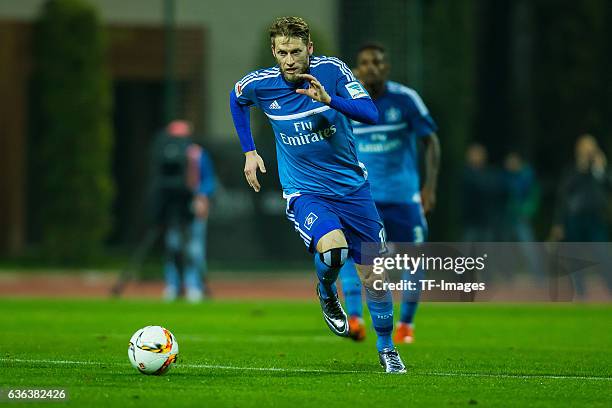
{"type": "Point", "coordinates": [306, 134]}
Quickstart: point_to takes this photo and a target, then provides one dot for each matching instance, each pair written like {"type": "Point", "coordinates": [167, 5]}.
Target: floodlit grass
{"type": "Point", "coordinates": [243, 354]}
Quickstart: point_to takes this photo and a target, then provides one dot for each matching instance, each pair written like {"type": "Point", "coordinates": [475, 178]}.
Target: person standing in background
{"type": "Point", "coordinates": [582, 203]}
{"type": "Point", "coordinates": [184, 181]}
{"type": "Point", "coordinates": [522, 200]}
{"type": "Point", "coordinates": [482, 196]}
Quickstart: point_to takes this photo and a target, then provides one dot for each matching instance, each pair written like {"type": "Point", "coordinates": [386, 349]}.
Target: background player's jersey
{"type": "Point", "coordinates": [314, 143]}
{"type": "Point", "coordinates": [389, 149]}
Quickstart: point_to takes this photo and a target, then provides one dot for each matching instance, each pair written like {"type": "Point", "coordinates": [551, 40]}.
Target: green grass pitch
{"type": "Point", "coordinates": [261, 354]}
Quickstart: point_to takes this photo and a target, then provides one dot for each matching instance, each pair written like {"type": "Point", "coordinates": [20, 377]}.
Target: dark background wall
{"type": "Point", "coordinates": [512, 74]}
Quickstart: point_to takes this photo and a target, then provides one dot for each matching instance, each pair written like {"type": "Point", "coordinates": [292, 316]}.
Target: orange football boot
{"type": "Point", "coordinates": [404, 333]}
{"type": "Point", "coordinates": [357, 329]}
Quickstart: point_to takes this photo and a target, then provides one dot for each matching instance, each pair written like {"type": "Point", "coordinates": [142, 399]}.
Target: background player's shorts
{"type": "Point", "coordinates": [403, 222]}
{"type": "Point", "coordinates": [355, 214]}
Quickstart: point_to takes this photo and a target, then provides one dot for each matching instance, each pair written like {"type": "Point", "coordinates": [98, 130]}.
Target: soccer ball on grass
{"type": "Point", "coordinates": [153, 350]}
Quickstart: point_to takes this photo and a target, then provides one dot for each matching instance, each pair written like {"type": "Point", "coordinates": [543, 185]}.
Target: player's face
{"type": "Point", "coordinates": [372, 69]}
{"type": "Point", "coordinates": [292, 56]}
{"type": "Point", "coordinates": [476, 156]}
{"type": "Point", "coordinates": [586, 150]}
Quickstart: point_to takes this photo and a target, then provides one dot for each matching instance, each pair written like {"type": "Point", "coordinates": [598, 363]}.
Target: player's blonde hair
{"type": "Point", "coordinates": [289, 27]}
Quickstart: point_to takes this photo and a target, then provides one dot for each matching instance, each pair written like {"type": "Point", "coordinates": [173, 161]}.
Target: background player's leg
{"type": "Point", "coordinates": [406, 223]}
{"type": "Point", "coordinates": [410, 298]}
{"type": "Point", "coordinates": [351, 288]}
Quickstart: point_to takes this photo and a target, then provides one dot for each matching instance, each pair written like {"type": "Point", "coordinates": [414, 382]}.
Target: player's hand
{"type": "Point", "coordinates": [201, 206]}
{"type": "Point", "coordinates": [253, 162]}
{"type": "Point", "coordinates": [599, 163]}
{"type": "Point", "coordinates": [316, 90]}
{"type": "Point", "coordinates": [428, 198]}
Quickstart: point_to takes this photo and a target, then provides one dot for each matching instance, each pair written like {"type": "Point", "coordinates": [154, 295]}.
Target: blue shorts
{"type": "Point", "coordinates": [403, 222]}
{"type": "Point", "coordinates": [355, 214]}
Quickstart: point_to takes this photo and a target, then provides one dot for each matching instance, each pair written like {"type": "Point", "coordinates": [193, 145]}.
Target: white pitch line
{"type": "Point", "coordinates": [277, 369]}
{"type": "Point", "coordinates": [519, 376]}
{"type": "Point", "coordinates": [207, 366]}
{"type": "Point", "coordinates": [314, 370]}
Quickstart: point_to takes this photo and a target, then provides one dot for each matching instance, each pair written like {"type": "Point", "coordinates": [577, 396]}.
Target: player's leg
{"type": "Point", "coordinates": [380, 305]}
{"type": "Point", "coordinates": [406, 223]}
{"type": "Point", "coordinates": [410, 302]}
{"type": "Point", "coordinates": [331, 254]}
{"type": "Point", "coordinates": [194, 261]}
{"type": "Point", "coordinates": [366, 236]}
{"type": "Point", "coordinates": [351, 288]}
{"type": "Point", "coordinates": [322, 233]}
{"type": "Point", "coordinates": [418, 232]}
{"type": "Point", "coordinates": [171, 273]}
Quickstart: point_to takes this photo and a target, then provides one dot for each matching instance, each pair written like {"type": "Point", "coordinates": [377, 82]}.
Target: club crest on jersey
{"type": "Point", "coordinates": [238, 89]}
{"type": "Point", "coordinates": [356, 90]}
{"type": "Point", "coordinates": [312, 217]}
{"type": "Point", "coordinates": [393, 115]}
{"type": "Point", "coordinates": [275, 105]}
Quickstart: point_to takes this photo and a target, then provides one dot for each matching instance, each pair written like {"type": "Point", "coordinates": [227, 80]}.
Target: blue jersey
{"type": "Point", "coordinates": [315, 145]}
{"type": "Point", "coordinates": [388, 149]}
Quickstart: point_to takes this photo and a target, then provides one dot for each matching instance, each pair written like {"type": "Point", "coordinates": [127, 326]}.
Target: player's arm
{"type": "Point", "coordinates": [599, 170]}
{"type": "Point", "coordinates": [360, 109]}
{"type": "Point", "coordinates": [242, 123]}
{"type": "Point", "coordinates": [432, 166]}
{"type": "Point", "coordinates": [425, 128]}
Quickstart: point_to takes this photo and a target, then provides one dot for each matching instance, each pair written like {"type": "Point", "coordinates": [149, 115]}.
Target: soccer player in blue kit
{"type": "Point", "coordinates": [310, 101]}
{"type": "Point", "coordinates": [389, 151]}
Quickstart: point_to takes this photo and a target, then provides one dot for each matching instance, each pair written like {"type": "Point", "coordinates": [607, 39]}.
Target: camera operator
{"type": "Point", "coordinates": [183, 182]}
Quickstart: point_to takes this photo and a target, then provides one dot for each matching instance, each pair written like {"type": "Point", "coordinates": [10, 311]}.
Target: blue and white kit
{"type": "Point", "coordinates": [323, 181]}
{"type": "Point", "coordinates": [317, 157]}
{"type": "Point", "coordinates": [389, 148]}
{"type": "Point", "coordinates": [389, 151]}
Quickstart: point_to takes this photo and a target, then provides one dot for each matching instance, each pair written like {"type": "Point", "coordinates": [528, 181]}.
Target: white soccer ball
{"type": "Point", "coordinates": [153, 350]}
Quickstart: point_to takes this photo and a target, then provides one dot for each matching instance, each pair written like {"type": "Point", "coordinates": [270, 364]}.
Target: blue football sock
{"type": "Point", "coordinates": [407, 311]}
{"type": "Point", "coordinates": [327, 278]}
{"type": "Point", "coordinates": [351, 287]}
{"type": "Point", "coordinates": [380, 305]}
{"type": "Point", "coordinates": [410, 298]}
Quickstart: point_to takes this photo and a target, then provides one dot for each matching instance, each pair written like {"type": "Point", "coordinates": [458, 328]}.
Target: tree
{"type": "Point", "coordinates": [74, 143]}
